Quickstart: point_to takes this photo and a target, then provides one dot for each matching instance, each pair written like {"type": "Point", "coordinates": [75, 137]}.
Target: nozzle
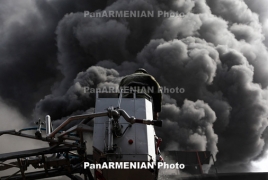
{"type": "Point", "coordinates": [157, 123]}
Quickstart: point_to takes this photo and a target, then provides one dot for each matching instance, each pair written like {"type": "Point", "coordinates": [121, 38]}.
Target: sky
{"type": "Point", "coordinates": [217, 52]}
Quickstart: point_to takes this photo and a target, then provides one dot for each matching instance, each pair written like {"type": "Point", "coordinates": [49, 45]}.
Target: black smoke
{"type": "Point", "coordinates": [217, 52]}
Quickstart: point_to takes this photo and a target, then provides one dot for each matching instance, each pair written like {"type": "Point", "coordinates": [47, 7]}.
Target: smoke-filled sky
{"type": "Point", "coordinates": [217, 52]}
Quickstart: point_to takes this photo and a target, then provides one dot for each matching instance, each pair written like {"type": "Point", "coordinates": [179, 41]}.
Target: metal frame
{"type": "Point", "coordinates": [59, 147]}
{"type": "Point", "coordinates": [52, 165]}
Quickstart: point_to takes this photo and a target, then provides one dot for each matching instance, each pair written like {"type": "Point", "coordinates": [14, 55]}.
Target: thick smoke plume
{"type": "Point", "coordinates": [217, 52]}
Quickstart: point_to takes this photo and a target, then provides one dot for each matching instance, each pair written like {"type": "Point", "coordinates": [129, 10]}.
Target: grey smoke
{"type": "Point", "coordinates": [217, 52]}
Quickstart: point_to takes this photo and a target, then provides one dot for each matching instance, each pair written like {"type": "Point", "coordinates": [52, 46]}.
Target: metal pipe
{"type": "Point", "coordinates": [133, 120]}
{"type": "Point", "coordinates": [73, 118]}
{"type": "Point", "coordinates": [48, 125]}
{"type": "Point", "coordinates": [114, 113]}
{"type": "Point", "coordinates": [126, 116]}
{"type": "Point", "coordinates": [109, 134]}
